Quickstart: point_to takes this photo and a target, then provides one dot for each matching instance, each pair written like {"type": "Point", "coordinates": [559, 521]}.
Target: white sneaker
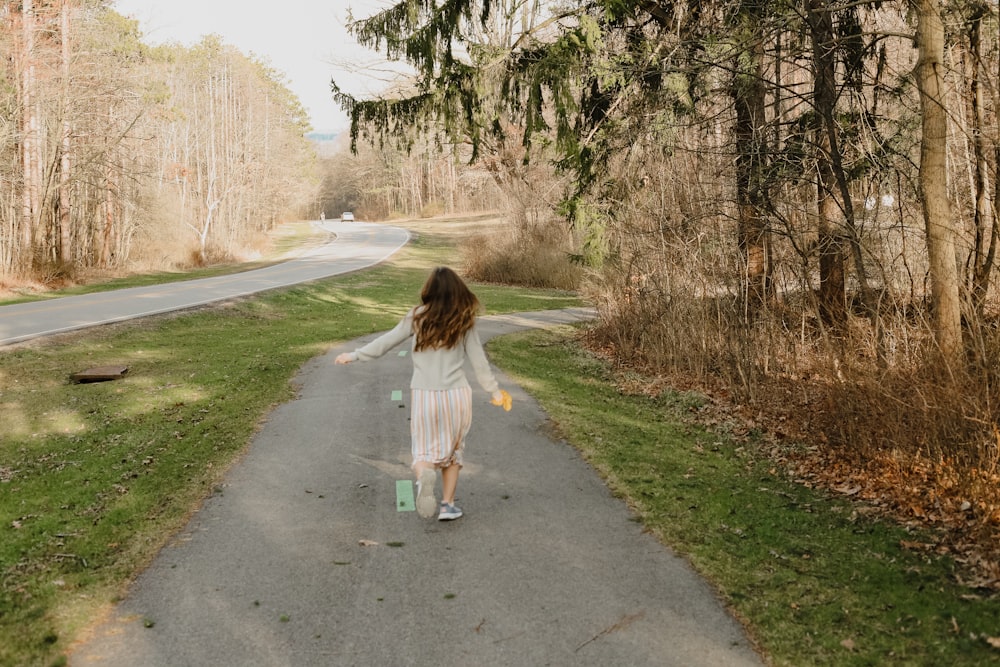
{"type": "Point", "coordinates": [449, 512]}
{"type": "Point", "coordinates": [426, 502]}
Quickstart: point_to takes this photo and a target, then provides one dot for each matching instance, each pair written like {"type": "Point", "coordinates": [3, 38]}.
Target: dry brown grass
{"type": "Point", "coordinates": [871, 411]}
{"type": "Point", "coordinates": [526, 254]}
{"type": "Point", "coordinates": [12, 287]}
{"type": "Point", "coordinates": [456, 227]}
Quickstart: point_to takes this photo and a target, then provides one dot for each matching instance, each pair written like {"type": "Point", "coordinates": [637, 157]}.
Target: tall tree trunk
{"type": "Point", "coordinates": [107, 229]}
{"type": "Point", "coordinates": [832, 280]}
{"type": "Point", "coordinates": [748, 92]}
{"type": "Point", "coordinates": [29, 136]}
{"type": "Point", "coordinates": [945, 296]}
{"type": "Point", "coordinates": [985, 223]}
{"type": "Point", "coordinates": [65, 217]}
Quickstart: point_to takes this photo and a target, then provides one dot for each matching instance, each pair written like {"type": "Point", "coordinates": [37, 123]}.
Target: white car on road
{"type": "Point", "coordinates": [347, 216]}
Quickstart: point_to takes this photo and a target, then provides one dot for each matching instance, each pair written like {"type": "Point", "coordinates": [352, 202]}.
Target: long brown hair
{"type": "Point", "coordinates": [448, 311]}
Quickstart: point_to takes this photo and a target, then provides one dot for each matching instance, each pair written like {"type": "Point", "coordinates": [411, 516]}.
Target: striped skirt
{"type": "Point", "coordinates": [439, 422]}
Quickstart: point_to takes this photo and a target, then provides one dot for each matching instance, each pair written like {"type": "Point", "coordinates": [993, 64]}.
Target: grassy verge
{"type": "Point", "coordinates": [95, 477]}
{"type": "Point", "coordinates": [817, 581]}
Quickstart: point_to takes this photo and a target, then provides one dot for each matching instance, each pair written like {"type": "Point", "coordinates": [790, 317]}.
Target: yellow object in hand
{"type": "Point", "coordinates": [504, 400]}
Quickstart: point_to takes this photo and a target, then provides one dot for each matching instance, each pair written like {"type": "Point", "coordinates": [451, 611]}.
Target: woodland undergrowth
{"type": "Point", "coordinates": [869, 412]}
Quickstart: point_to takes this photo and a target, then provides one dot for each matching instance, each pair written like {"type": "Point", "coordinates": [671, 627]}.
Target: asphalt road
{"type": "Point", "coordinates": [303, 559]}
{"type": "Point", "coordinates": [353, 246]}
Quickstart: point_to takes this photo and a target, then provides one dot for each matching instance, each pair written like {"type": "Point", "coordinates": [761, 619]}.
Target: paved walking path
{"type": "Point", "coordinates": [303, 559]}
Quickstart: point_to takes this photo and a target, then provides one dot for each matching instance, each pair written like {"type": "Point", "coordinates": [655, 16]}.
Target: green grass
{"type": "Point", "coordinates": [816, 581]}
{"type": "Point", "coordinates": [95, 477]}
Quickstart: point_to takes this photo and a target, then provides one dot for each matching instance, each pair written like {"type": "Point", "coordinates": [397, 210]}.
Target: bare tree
{"type": "Point", "coordinates": [65, 163]}
{"type": "Point", "coordinates": [30, 154]}
{"type": "Point", "coordinates": [945, 296]}
{"type": "Point", "coordinates": [986, 224]}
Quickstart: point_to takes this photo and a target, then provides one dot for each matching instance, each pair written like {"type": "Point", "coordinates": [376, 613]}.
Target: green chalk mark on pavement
{"type": "Point", "coordinates": [404, 496]}
{"type": "Point", "coordinates": [397, 395]}
{"type": "Point", "coordinates": [402, 353]}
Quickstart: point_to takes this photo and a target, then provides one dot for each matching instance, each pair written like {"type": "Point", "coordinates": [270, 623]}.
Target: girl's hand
{"type": "Point", "coordinates": [502, 398]}
{"type": "Point", "coordinates": [344, 358]}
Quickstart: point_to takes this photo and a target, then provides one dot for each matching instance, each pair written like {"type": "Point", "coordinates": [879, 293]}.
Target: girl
{"type": "Point", "coordinates": [444, 336]}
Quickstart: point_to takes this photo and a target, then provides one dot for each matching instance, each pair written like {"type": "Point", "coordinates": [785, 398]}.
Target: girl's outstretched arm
{"type": "Point", "coordinates": [382, 344]}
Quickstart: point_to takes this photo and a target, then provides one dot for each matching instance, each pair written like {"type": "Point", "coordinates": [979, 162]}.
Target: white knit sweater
{"type": "Point", "coordinates": [435, 369]}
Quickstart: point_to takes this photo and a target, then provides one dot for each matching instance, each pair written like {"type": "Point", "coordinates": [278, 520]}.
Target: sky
{"type": "Point", "coordinates": [306, 40]}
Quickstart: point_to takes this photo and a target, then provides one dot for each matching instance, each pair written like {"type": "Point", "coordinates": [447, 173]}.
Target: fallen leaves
{"type": "Point", "coordinates": [915, 546]}
{"type": "Point", "coordinates": [960, 505]}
